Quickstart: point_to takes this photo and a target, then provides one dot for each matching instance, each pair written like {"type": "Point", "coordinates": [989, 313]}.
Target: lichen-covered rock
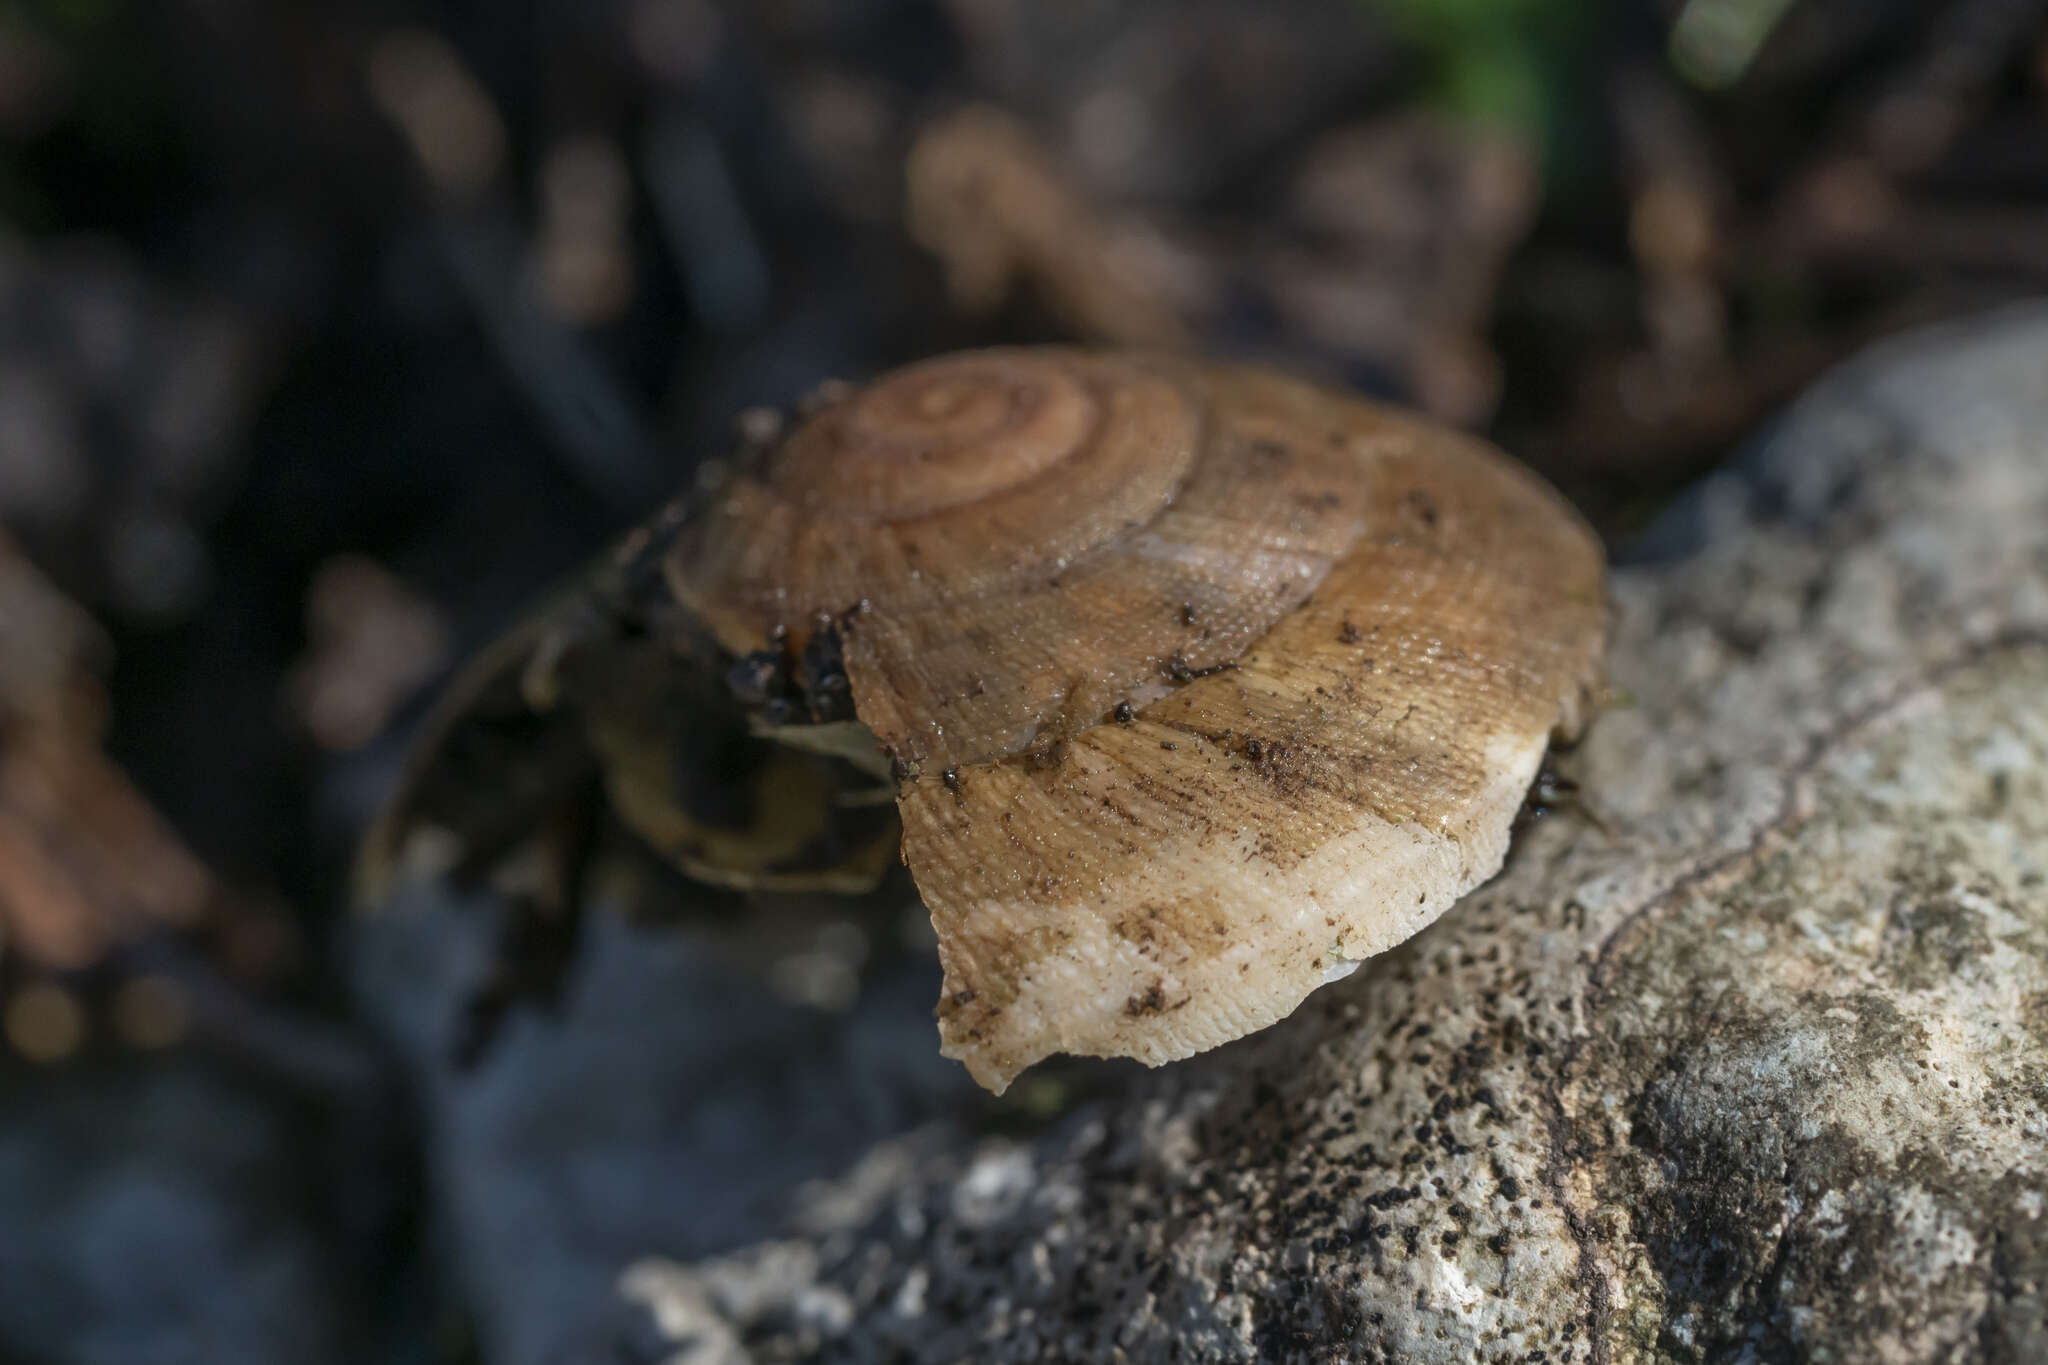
{"type": "Point", "coordinates": [1748, 1060]}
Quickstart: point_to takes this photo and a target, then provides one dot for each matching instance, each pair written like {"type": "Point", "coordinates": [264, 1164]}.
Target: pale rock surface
{"type": "Point", "coordinates": [1757, 1071]}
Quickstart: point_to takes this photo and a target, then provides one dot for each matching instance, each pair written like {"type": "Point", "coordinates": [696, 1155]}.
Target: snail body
{"type": "Point", "coordinates": [1187, 685]}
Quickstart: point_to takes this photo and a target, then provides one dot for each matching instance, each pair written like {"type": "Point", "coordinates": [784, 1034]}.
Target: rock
{"type": "Point", "coordinates": [1747, 1060]}
{"type": "Point", "coordinates": [667, 1101]}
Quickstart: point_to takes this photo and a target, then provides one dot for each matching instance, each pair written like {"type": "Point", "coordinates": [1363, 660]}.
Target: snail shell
{"type": "Point", "coordinates": [1194, 684]}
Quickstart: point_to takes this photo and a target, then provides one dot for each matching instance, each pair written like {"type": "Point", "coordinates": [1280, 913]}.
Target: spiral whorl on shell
{"type": "Point", "coordinates": [1200, 683]}
{"type": "Point", "coordinates": [1191, 684]}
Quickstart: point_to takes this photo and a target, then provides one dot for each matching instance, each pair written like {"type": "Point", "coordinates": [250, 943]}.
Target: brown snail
{"type": "Point", "coordinates": [1186, 685]}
